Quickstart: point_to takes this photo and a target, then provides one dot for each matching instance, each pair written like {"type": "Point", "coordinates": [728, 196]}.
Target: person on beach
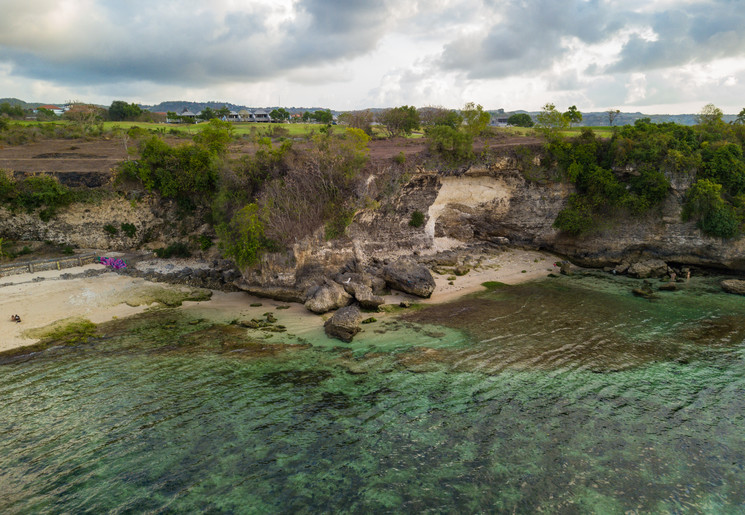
{"type": "Point", "coordinates": [16, 318]}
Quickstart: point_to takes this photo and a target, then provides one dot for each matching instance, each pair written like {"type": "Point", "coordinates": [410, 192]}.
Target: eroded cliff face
{"type": "Point", "coordinates": [493, 204]}
{"type": "Point", "coordinates": [157, 224]}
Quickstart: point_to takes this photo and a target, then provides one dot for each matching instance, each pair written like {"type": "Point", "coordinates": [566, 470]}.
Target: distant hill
{"type": "Point", "coordinates": [179, 105]}
{"type": "Point", "coordinates": [600, 119]}
{"type": "Point", "coordinates": [24, 105]}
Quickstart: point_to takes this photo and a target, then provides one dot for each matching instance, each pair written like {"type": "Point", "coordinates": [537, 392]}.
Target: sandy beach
{"type": "Point", "coordinates": [43, 298]}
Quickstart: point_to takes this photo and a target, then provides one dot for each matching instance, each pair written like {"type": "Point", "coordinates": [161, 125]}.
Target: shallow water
{"type": "Point", "coordinates": [567, 395]}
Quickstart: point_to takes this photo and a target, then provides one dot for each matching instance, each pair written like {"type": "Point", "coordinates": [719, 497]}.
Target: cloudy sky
{"type": "Point", "coordinates": [654, 56]}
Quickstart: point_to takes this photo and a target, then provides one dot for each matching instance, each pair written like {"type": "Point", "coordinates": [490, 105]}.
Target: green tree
{"type": "Point", "coordinates": [550, 121]}
{"type": "Point", "coordinates": [727, 167]}
{"type": "Point", "coordinates": [12, 111]}
{"type": "Point", "coordinates": [358, 120]}
{"type": "Point", "coordinates": [573, 115]}
{"type": "Point", "coordinates": [475, 119]}
{"type": "Point", "coordinates": [216, 136]}
{"type": "Point", "coordinates": [399, 121]}
{"type": "Point", "coordinates": [741, 117]}
{"type": "Point", "coordinates": [223, 112]}
{"type": "Point", "coordinates": [323, 116]}
{"type": "Point", "coordinates": [452, 144]}
{"type": "Point", "coordinates": [45, 115]}
{"type": "Point", "coordinates": [710, 115]}
{"type": "Point", "coordinates": [120, 110]}
{"type": "Point", "coordinates": [208, 114]}
{"type": "Point", "coordinates": [520, 120]}
{"type": "Point", "coordinates": [243, 237]}
{"type": "Point", "coordinates": [280, 114]}
{"type": "Point", "coordinates": [612, 115]}
{"type": "Point", "coordinates": [713, 215]}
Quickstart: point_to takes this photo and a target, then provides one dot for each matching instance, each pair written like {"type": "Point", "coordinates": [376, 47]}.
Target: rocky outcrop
{"type": "Point", "coordinates": [735, 286]}
{"type": "Point", "coordinates": [648, 268]}
{"type": "Point", "coordinates": [410, 277]}
{"type": "Point", "coordinates": [157, 223]}
{"type": "Point", "coordinates": [344, 324]}
{"type": "Point", "coordinates": [326, 297]}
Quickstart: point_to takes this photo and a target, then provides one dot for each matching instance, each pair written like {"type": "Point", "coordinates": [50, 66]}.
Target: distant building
{"type": "Point", "coordinates": [51, 107]}
{"type": "Point", "coordinates": [261, 116]}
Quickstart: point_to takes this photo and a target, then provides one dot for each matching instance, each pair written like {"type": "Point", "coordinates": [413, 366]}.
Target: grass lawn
{"type": "Point", "coordinates": [600, 132]}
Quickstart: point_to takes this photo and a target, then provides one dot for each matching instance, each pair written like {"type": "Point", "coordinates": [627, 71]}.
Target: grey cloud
{"type": "Point", "coordinates": [184, 43]}
{"type": "Point", "coordinates": [703, 32]}
{"type": "Point", "coordinates": [528, 36]}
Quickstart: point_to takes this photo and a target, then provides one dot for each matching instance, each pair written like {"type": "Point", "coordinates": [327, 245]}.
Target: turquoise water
{"type": "Point", "coordinates": [567, 395]}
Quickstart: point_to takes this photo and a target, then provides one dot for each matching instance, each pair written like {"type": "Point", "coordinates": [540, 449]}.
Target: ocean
{"type": "Point", "coordinates": [565, 395]}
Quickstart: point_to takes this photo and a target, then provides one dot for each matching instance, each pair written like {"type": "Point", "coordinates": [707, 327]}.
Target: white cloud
{"type": "Point", "coordinates": [345, 54]}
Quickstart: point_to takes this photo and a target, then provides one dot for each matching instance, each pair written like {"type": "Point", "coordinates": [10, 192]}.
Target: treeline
{"type": "Point", "coordinates": [630, 173]}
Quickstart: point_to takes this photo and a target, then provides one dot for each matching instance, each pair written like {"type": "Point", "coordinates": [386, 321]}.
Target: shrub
{"type": "Point", "coordinates": [178, 249]}
{"type": "Point", "coordinates": [243, 238]}
{"type": "Point", "coordinates": [205, 242]}
{"type": "Point", "coordinates": [449, 143]}
{"type": "Point", "coordinates": [129, 229]}
{"type": "Point", "coordinates": [337, 225]}
{"type": "Point", "coordinates": [109, 228]}
{"type": "Point", "coordinates": [400, 158]}
{"type": "Point", "coordinates": [417, 219]}
{"type": "Point", "coordinates": [576, 218]}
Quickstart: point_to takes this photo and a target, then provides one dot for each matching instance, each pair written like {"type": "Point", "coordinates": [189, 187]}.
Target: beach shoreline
{"type": "Point", "coordinates": [43, 298]}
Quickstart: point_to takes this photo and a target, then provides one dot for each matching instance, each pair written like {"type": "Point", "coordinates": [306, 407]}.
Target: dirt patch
{"type": "Point", "coordinates": [103, 155]}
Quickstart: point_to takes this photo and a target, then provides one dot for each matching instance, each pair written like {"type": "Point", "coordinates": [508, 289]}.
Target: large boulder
{"type": "Point", "coordinates": [344, 324]}
{"type": "Point", "coordinates": [648, 268]}
{"type": "Point", "coordinates": [326, 297]}
{"type": "Point", "coordinates": [366, 298]}
{"type": "Point", "coordinates": [409, 277]}
{"type": "Point", "coordinates": [735, 286]}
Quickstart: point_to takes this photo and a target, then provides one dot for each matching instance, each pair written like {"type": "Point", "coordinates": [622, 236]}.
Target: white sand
{"type": "Point", "coordinates": [102, 298]}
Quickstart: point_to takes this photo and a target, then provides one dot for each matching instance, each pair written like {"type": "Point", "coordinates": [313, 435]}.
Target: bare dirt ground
{"type": "Point", "coordinates": [65, 155]}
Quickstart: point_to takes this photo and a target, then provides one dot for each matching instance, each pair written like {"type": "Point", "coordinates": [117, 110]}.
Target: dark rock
{"type": "Point", "coordinates": [404, 304]}
{"type": "Point", "coordinates": [668, 287]}
{"type": "Point", "coordinates": [328, 296]}
{"type": "Point", "coordinates": [735, 286]}
{"type": "Point", "coordinates": [344, 324]}
{"type": "Point", "coordinates": [648, 268]}
{"type": "Point", "coordinates": [566, 268]}
{"type": "Point", "coordinates": [410, 277]}
{"type": "Point", "coordinates": [366, 298]}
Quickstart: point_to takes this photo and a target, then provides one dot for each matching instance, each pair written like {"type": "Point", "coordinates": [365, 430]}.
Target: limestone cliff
{"type": "Point", "coordinates": [492, 204]}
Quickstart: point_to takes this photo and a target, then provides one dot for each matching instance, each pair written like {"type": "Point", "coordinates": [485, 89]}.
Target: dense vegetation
{"type": "Point", "coordinates": [41, 192]}
{"type": "Point", "coordinates": [263, 201]}
{"type": "Point", "coordinates": [630, 173]}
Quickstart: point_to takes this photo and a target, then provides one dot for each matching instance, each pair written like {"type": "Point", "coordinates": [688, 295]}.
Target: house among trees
{"type": "Point", "coordinates": [55, 109]}
{"type": "Point", "coordinates": [261, 116]}
{"type": "Point", "coordinates": [232, 116]}
{"type": "Point", "coordinates": [187, 114]}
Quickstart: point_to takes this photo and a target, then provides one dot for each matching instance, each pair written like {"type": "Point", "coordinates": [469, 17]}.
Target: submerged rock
{"type": "Point", "coordinates": [735, 286]}
{"type": "Point", "coordinates": [344, 324]}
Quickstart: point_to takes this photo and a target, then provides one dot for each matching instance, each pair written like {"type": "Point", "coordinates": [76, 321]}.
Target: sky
{"type": "Point", "coordinates": [653, 56]}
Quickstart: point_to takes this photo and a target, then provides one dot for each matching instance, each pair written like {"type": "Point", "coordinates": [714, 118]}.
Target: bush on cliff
{"type": "Point", "coordinates": [42, 192]}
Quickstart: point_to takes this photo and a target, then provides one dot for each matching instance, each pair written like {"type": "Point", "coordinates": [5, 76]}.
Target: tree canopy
{"type": "Point", "coordinates": [120, 110]}
{"type": "Point", "coordinates": [520, 120]}
{"type": "Point", "coordinates": [399, 121]}
{"type": "Point", "coordinates": [475, 118]}
{"type": "Point", "coordinates": [573, 115]}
